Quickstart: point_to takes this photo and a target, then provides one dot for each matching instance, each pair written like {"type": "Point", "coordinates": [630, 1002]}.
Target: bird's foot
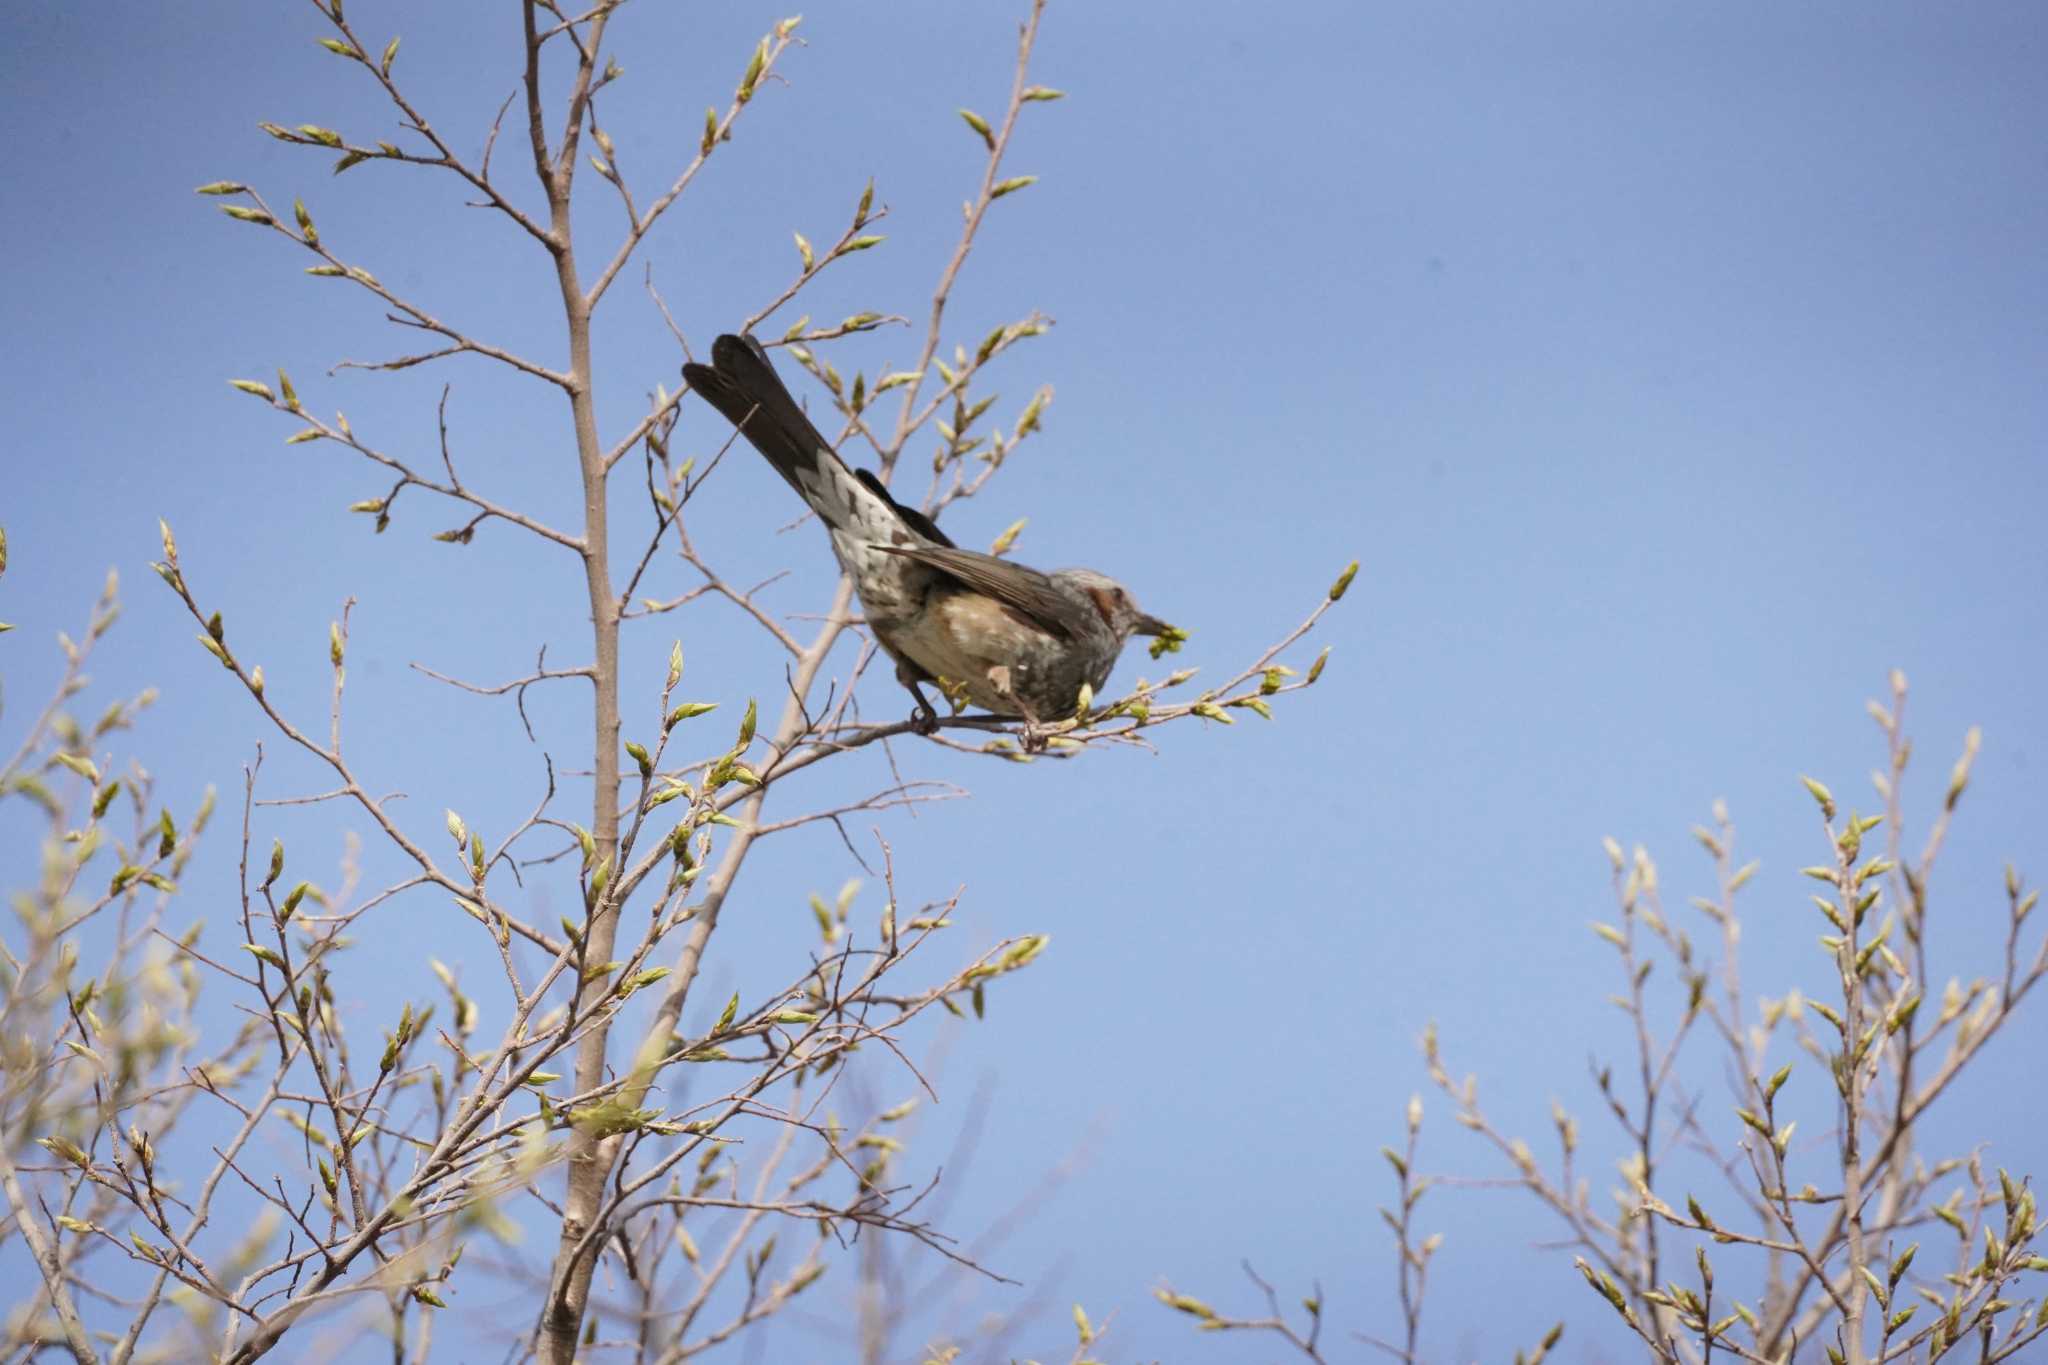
{"type": "Point", "coordinates": [924, 720]}
{"type": "Point", "coordinates": [1030, 737]}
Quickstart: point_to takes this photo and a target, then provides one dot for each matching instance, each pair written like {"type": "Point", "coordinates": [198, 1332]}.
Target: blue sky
{"type": "Point", "coordinates": [1673, 372]}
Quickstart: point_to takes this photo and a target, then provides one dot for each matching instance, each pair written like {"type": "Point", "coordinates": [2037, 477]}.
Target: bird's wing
{"type": "Point", "coordinates": [1025, 590]}
{"type": "Point", "coordinates": [912, 517]}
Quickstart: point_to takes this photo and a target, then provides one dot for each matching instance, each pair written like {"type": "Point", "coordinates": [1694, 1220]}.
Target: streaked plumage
{"type": "Point", "coordinates": [1017, 642]}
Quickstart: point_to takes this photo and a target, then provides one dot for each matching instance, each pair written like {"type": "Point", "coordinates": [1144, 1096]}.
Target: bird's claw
{"type": "Point", "coordinates": [924, 720]}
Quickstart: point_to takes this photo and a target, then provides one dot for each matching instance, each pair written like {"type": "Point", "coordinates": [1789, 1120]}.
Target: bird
{"type": "Point", "coordinates": [1011, 640]}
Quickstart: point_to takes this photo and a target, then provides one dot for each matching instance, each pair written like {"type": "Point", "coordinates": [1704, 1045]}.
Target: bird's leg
{"type": "Point", "coordinates": [1028, 736]}
{"type": "Point", "coordinates": [1031, 737]}
{"type": "Point", "coordinates": [924, 720]}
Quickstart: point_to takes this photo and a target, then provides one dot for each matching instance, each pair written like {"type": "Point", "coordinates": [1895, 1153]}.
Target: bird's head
{"type": "Point", "coordinates": [1118, 609]}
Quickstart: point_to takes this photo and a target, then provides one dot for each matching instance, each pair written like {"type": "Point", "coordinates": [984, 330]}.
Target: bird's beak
{"type": "Point", "coordinates": [1150, 625]}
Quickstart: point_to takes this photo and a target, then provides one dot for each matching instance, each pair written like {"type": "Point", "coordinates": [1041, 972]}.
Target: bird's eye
{"type": "Point", "coordinates": [1123, 597]}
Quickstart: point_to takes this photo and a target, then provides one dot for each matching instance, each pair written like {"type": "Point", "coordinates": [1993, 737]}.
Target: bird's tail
{"type": "Point", "coordinates": [742, 384]}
